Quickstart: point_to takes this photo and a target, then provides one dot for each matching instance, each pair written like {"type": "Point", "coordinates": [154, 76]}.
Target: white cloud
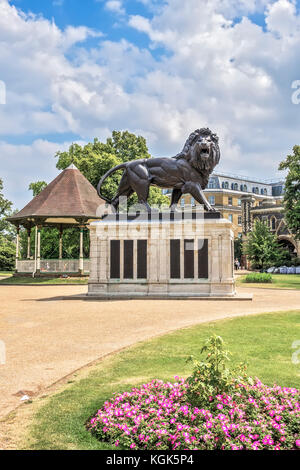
{"type": "Point", "coordinates": [24, 164]}
{"type": "Point", "coordinates": [233, 77]}
{"type": "Point", "coordinates": [282, 18]}
{"type": "Point", "coordinates": [115, 6]}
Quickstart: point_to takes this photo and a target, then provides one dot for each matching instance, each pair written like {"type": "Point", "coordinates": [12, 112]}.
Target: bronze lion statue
{"type": "Point", "coordinates": [187, 172]}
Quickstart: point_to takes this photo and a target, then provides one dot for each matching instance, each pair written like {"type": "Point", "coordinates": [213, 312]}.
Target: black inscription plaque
{"type": "Point", "coordinates": [115, 259]}
{"type": "Point", "coordinates": [189, 259]}
{"type": "Point", "coordinates": [203, 259]}
{"type": "Point", "coordinates": [142, 259]}
{"type": "Point", "coordinates": [175, 259]}
{"type": "Point", "coordinates": [128, 259]}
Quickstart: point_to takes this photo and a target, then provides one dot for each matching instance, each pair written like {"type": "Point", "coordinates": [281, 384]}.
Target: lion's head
{"type": "Point", "coordinates": [202, 150]}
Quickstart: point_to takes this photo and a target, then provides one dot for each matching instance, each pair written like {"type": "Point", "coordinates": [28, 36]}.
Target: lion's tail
{"type": "Point", "coordinates": [107, 174]}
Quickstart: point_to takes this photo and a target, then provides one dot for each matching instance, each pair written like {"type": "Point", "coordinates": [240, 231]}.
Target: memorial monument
{"type": "Point", "coordinates": [168, 253]}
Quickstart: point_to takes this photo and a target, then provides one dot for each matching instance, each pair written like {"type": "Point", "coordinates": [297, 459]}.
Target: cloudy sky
{"type": "Point", "coordinates": [74, 70]}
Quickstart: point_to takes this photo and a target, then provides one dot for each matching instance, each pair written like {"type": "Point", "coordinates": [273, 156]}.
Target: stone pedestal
{"type": "Point", "coordinates": [162, 256]}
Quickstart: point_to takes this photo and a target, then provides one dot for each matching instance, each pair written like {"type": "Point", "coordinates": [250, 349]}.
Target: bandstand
{"type": "Point", "coordinates": [68, 201]}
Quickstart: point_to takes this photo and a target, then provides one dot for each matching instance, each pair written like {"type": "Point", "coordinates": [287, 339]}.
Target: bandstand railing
{"type": "Point", "coordinates": [53, 266]}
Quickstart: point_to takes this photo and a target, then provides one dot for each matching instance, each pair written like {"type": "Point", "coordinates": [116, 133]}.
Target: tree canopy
{"type": "Point", "coordinates": [96, 158]}
{"type": "Point", "coordinates": [7, 233]}
{"type": "Point", "coordinates": [292, 191]}
{"type": "Point", "coordinates": [37, 187]}
{"type": "Point", "coordinates": [262, 247]}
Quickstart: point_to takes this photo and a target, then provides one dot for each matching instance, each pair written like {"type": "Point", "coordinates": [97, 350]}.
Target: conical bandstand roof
{"type": "Point", "coordinates": [69, 196]}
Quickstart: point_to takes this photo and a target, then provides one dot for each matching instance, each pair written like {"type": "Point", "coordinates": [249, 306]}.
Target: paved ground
{"type": "Point", "coordinates": [47, 338]}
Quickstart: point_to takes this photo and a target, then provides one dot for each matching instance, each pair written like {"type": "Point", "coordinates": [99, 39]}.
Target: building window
{"type": "Point", "coordinates": [239, 202]}
{"type": "Point", "coordinates": [225, 185]}
{"type": "Point", "coordinates": [182, 202]}
{"type": "Point", "coordinates": [230, 217]}
{"type": "Point", "coordinates": [212, 200]}
{"type": "Point", "coordinates": [240, 220]}
{"type": "Point", "coordinates": [193, 203]}
{"type": "Point", "coordinates": [230, 201]}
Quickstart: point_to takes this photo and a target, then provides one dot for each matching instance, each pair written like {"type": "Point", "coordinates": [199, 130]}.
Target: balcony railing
{"type": "Point", "coordinates": [53, 266]}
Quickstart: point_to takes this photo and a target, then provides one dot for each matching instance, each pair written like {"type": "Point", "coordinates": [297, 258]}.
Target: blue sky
{"type": "Point", "coordinates": [74, 70]}
{"type": "Point", "coordinates": [91, 13]}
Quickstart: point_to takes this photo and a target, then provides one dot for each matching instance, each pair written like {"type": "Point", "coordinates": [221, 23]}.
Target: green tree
{"type": "Point", "coordinates": [7, 233]}
{"type": "Point", "coordinates": [96, 158]}
{"type": "Point", "coordinates": [37, 187]}
{"type": "Point", "coordinates": [262, 247]}
{"type": "Point", "coordinates": [292, 191]}
{"type": "Point", "coordinates": [7, 254]}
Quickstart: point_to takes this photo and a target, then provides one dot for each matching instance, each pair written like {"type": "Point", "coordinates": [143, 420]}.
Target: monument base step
{"type": "Point", "coordinates": [234, 298]}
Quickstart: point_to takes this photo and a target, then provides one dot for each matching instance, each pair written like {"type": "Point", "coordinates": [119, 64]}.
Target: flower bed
{"type": "Point", "coordinates": [158, 416]}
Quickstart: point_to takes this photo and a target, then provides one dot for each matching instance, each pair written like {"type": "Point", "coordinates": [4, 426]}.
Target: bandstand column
{"type": "Point", "coordinates": [81, 251]}
{"type": "Point", "coordinates": [60, 242]}
{"type": "Point", "coordinates": [38, 258]}
{"type": "Point", "coordinates": [28, 243]}
{"type": "Point", "coordinates": [17, 248]}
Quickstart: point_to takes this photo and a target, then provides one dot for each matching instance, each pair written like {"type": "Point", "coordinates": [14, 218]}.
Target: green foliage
{"type": "Point", "coordinates": [7, 254]}
{"type": "Point", "coordinates": [292, 191]}
{"type": "Point", "coordinates": [37, 187]}
{"type": "Point", "coordinates": [212, 376]}
{"type": "Point", "coordinates": [50, 243]}
{"type": "Point", "coordinates": [96, 158]}
{"type": "Point", "coordinates": [6, 227]}
{"type": "Point", "coordinates": [7, 234]}
{"type": "Point", "coordinates": [258, 278]}
{"type": "Point", "coordinates": [262, 247]}
{"type": "Point", "coordinates": [238, 248]}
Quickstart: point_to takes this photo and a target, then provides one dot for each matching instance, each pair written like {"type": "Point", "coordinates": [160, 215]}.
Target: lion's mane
{"type": "Point", "coordinates": [204, 166]}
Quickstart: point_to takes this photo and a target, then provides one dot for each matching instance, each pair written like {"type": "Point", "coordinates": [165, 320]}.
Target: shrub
{"type": "Point", "coordinates": [212, 376]}
{"type": "Point", "coordinates": [7, 254]}
{"type": "Point", "coordinates": [258, 277]}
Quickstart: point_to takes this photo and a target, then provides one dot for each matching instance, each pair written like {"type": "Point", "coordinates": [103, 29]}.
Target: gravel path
{"type": "Point", "coordinates": [47, 338]}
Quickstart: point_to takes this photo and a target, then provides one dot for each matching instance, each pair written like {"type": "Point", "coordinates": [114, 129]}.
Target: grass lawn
{"type": "Point", "coordinates": [43, 281]}
{"type": "Point", "coordinates": [279, 281]}
{"type": "Point", "coordinates": [263, 341]}
{"type": "Point", "coordinates": [6, 273]}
